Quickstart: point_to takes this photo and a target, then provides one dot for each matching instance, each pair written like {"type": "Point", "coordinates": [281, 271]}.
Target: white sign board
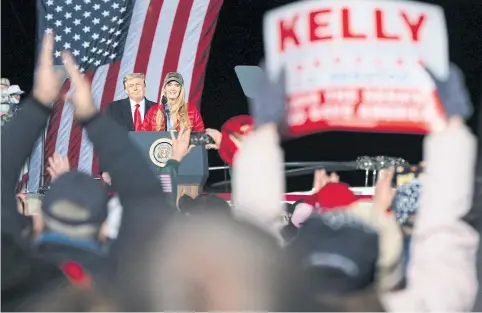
{"type": "Point", "coordinates": [357, 65]}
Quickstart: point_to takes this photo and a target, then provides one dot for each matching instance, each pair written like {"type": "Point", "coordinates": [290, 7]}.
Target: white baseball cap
{"type": "Point", "coordinates": [15, 90]}
{"type": "Point", "coordinates": [4, 82]}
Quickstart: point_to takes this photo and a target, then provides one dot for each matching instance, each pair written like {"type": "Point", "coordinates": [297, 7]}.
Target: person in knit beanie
{"type": "Point", "coordinates": [335, 197]}
{"type": "Point", "coordinates": [337, 255]}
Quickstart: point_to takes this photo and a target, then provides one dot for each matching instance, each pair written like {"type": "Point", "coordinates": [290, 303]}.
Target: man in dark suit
{"type": "Point", "coordinates": [130, 112]}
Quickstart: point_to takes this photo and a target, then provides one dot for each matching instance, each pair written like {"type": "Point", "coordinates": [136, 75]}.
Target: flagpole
{"type": "Point", "coordinates": [42, 159]}
{"type": "Point", "coordinates": [42, 186]}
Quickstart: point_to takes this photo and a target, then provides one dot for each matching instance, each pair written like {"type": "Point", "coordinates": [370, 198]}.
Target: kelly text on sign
{"type": "Point", "coordinates": [319, 27]}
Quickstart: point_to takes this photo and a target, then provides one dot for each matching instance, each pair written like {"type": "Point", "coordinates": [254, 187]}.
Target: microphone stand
{"type": "Point", "coordinates": [166, 112]}
{"type": "Point", "coordinates": [166, 116]}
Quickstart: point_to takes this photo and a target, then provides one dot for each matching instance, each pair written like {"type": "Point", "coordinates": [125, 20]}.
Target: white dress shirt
{"type": "Point", "coordinates": [142, 108]}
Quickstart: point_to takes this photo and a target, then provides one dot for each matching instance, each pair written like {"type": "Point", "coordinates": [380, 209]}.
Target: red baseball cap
{"type": "Point", "coordinates": [333, 195]}
{"type": "Point", "coordinates": [233, 126]}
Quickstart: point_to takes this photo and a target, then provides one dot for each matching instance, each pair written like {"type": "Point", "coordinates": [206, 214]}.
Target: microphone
{"type": "Point", "coordinates": [167, 114]}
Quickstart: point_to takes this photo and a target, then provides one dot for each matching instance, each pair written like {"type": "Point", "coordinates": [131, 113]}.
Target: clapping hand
{"type": "Point", "coordinates": [47, 80]}
{"type": "Point", "coordinates": [84, 107]}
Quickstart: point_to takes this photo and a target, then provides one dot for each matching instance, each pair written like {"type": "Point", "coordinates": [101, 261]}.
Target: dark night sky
{"type": "Point", "coordinates": [238, 41]}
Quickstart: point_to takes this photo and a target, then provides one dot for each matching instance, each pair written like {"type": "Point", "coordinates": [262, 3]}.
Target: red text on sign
{"type": "Point", "coordinates": [319, 27]}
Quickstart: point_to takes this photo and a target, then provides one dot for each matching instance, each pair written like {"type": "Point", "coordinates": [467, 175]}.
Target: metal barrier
{"type": "Point", "coordinates": [371, 165]}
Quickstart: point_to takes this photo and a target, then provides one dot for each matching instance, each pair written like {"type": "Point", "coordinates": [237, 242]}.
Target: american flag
{"type": "Point", "coordinates": [112, 38]}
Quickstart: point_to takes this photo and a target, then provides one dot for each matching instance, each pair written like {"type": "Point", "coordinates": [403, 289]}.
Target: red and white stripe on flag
{"type": "Point", "coordinates": [23, 179]}
{"type": "Point", "coordinates": [164, 36]}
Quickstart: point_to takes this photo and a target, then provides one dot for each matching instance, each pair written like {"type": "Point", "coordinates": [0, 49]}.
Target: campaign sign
{"type": "Point", "coordinates": [358, 65]}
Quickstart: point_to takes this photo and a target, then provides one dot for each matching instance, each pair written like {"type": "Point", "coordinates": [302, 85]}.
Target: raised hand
{"type": "Point", "coordinates": [334, 178]}
{"type": "Point", "coordinates": [384, 193]}
{"type": "Point", "coordinates": [106, 178]}
{"type": "Point", "coordinates": [216, 136]}
{"type": "Point", "coordinates": [47, 81]}
{"type": "Point", "coordinates": [321, 178]}
{"type": "Point", "coordinates": [81, 97]}
{"type": "Point", "coordinates": [454, 97]}
{"type": "Point", "coordinates": [181, 145]}
{"type": "Point", "coordinates": [453, 93]}
{"type": "Point", "coordinates": [58, 165]}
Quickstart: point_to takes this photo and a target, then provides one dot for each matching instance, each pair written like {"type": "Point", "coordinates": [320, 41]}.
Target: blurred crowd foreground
{"type": "Point", "coordinates": [410, 248]}
{"type": "Point", "coordinates": [10, 96]}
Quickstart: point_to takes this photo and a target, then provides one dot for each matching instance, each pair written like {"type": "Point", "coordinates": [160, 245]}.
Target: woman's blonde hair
{"type": "Point", "coordinates": [178, 112]}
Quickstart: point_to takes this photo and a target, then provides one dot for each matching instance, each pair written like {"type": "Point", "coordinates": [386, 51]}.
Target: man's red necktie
{"type": "Point", "coordinates": [137, 118]}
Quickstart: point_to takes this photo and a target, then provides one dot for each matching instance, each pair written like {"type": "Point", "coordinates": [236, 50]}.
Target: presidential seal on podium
{"type": "Point", "coordinates": [160, 151]}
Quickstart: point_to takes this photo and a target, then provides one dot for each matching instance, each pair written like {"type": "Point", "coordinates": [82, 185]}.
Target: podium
{"type": "Point", "coordinates": [156, 147]}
